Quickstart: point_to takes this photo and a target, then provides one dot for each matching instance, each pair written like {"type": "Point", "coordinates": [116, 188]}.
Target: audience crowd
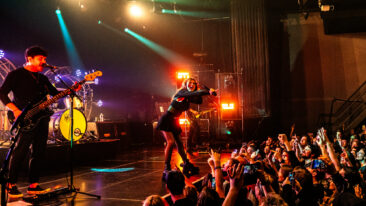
{"type": "Point", "coordinates": [313, 169]}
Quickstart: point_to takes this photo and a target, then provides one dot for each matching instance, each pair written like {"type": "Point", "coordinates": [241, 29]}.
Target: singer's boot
{"type": "Point", "coordinates": [189, 169]}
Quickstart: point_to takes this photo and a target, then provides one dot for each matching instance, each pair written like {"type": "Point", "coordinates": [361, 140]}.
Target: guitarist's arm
{"type": "Point", "coordinates": [4, 91]}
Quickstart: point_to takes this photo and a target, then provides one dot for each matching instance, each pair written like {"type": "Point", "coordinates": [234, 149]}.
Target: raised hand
{"type": "Point", "coordinates": [237, 176]}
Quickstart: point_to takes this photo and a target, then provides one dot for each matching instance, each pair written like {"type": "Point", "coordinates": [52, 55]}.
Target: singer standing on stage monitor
{"type": "Point", "coordinates": [29, 86]}
{"type": "Point", "coordinates": [169, 123]}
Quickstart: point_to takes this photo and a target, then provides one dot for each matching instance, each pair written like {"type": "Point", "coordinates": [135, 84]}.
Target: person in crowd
{"type": "Point", "coordinates": [209, 197]}
{"type": "Point", "coordinates": [191, 193]}
{"type": "Point", "coordinates": [175, 183]}
{"type": "Point", "coordinates": [155, 200]}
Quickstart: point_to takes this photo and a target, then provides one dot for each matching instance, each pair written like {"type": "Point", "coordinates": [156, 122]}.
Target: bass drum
{"type": "Point", "coordinates": [54, 125]}
{"type": "Point", "coordinates": [60, 125]}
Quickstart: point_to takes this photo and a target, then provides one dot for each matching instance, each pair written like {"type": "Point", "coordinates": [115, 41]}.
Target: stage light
{"type": "Point", "coordinates": [182, 75]}
{"type": "Point", "coordinates": [96, 81]}
{"type": "Point", "coordinates": [136, 11]}
{"type": "Point", "coordinates": [2, 53]}
{"type": "Point", "coordinates": [57, 78]}
{"type": "Point", "coordinates": [126, 30]}
{"type": "Point", "coordinates": [78, 72]}
{"type": "Point", "coordinates": [58, 11]}
{"type": "Point", "coordinates": [99, 21]}
{"type": "Point", "coordinates": [226, 106]}
{"type": "Point", "coordinates": [183, 121]}
{"type": "Point", "coordinates": [228, 132]}
{"type": "Point", "coordinates": [100, 103]}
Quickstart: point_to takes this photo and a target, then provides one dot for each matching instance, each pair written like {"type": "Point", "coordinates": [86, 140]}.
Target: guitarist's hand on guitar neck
{"type": "Point", "coordinates": [16, 111]}
{"type": "Point", "coordinates": [78, 88]}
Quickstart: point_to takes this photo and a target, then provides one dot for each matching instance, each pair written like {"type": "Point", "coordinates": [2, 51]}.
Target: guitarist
{"type": "Point", "coordinates": [194, 129]}
{"type": "Point", "coordinates": [28, 86]}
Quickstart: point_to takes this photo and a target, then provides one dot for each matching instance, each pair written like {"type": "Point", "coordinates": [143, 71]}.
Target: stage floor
{"type": "Point", "coordinates": [140, 177]}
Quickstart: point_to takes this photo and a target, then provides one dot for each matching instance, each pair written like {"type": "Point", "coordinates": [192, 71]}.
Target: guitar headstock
{"type": "Point", "coordinates": [92, 76]}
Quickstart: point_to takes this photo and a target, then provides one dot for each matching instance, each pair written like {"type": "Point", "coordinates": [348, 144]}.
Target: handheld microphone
{"type": "Point", "coordinates": [213, 93]}
{"type": "Point", "coordinates": [49, 66]}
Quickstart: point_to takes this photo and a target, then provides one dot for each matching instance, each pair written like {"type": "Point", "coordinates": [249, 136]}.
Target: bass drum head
{"type": "Point", "coordinates": [79, 125]}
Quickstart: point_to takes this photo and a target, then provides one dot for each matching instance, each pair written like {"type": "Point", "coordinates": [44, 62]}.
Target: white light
{"type": "Point", "coordinates": [57, 78]}
{"type": "Point", "coordinates": [96, 81]}
{"type": "Point", "coordinates": [136, 11]}
{"type": "Point", "coordinates": [78, 72]}
{"type": "Point", "coordinates": [100, 103]}
{"type": "Point", "coordinates": [2, 54]}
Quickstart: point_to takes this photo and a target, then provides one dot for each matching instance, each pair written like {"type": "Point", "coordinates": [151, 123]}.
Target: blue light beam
{"type": "Point", "coordinates": [72, 53]}
{"type": "Point", "coordinates": [169, 55]}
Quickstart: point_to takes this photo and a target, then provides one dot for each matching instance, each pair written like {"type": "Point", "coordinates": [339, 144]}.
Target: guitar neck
{"type": "Point", "coordinates": [48, 102]}
{"type": "Point", "coordinates": [60, 95]}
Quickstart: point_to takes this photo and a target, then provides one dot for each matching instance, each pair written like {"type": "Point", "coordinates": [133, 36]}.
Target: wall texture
{"type": "Point", "coordinates": [319, 68]}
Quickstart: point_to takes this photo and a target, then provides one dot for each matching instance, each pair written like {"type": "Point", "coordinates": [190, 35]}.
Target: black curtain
{"type": "Point", "coordinates": [250, 55]}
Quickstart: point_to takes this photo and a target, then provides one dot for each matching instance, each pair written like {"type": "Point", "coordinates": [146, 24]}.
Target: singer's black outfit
{"type": "Point", "coordinates": [28, 88]}
{"type": "Point", "coordinates": [169, 122]}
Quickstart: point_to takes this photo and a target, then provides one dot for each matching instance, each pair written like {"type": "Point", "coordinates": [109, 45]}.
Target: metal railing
{"type": "Point", "coordinates": [351, 113]}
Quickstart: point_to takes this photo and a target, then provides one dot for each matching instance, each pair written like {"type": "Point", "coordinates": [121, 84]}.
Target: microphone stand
{"type": "Point", "coordinates": [72, 94]}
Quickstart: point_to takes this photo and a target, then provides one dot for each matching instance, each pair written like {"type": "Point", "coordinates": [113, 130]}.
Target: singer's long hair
{"type": "Point", "coordinates": [185, 86]}
{"type": "Point", "coordinates": [186, 82]}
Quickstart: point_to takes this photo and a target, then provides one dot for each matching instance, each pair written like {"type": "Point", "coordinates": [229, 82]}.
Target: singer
{"type": "Point", "coordinates": [169, 123]}
{"type": "Point", "coordinates": [28, 86]}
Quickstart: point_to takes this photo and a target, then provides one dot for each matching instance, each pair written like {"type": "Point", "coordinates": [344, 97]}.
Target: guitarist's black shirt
{"type": "Point", "coordinates": [27, 87]}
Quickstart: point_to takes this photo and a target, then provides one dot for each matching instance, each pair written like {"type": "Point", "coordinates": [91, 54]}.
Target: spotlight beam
{"type": "Point", "coordinates": [162, 51]}
{"type": "Point", "coordinates": [198, 14]}
{"type": "Point", "coordinates": [72, 53]}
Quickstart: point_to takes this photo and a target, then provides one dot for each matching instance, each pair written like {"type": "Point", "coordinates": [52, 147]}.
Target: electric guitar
{"type": "Point", "coordinates": [192, 115]}
{"type": "Point", "coordinates": [33, 113]}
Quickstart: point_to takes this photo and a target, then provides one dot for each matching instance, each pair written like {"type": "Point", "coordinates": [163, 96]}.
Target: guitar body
{"type": "Point", "coordinates": [27, 122]}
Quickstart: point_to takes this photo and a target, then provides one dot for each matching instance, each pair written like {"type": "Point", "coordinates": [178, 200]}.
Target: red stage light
{"type": "Point", "coordinates": [227, 106]}
{"type": "Point", "coordinates": [183, 121]}
{"type": "Point", "coordinates": [182, 75]}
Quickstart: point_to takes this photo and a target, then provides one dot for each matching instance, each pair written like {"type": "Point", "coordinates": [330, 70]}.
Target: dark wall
{"type": "Point", "coordinates": [309, 68]}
